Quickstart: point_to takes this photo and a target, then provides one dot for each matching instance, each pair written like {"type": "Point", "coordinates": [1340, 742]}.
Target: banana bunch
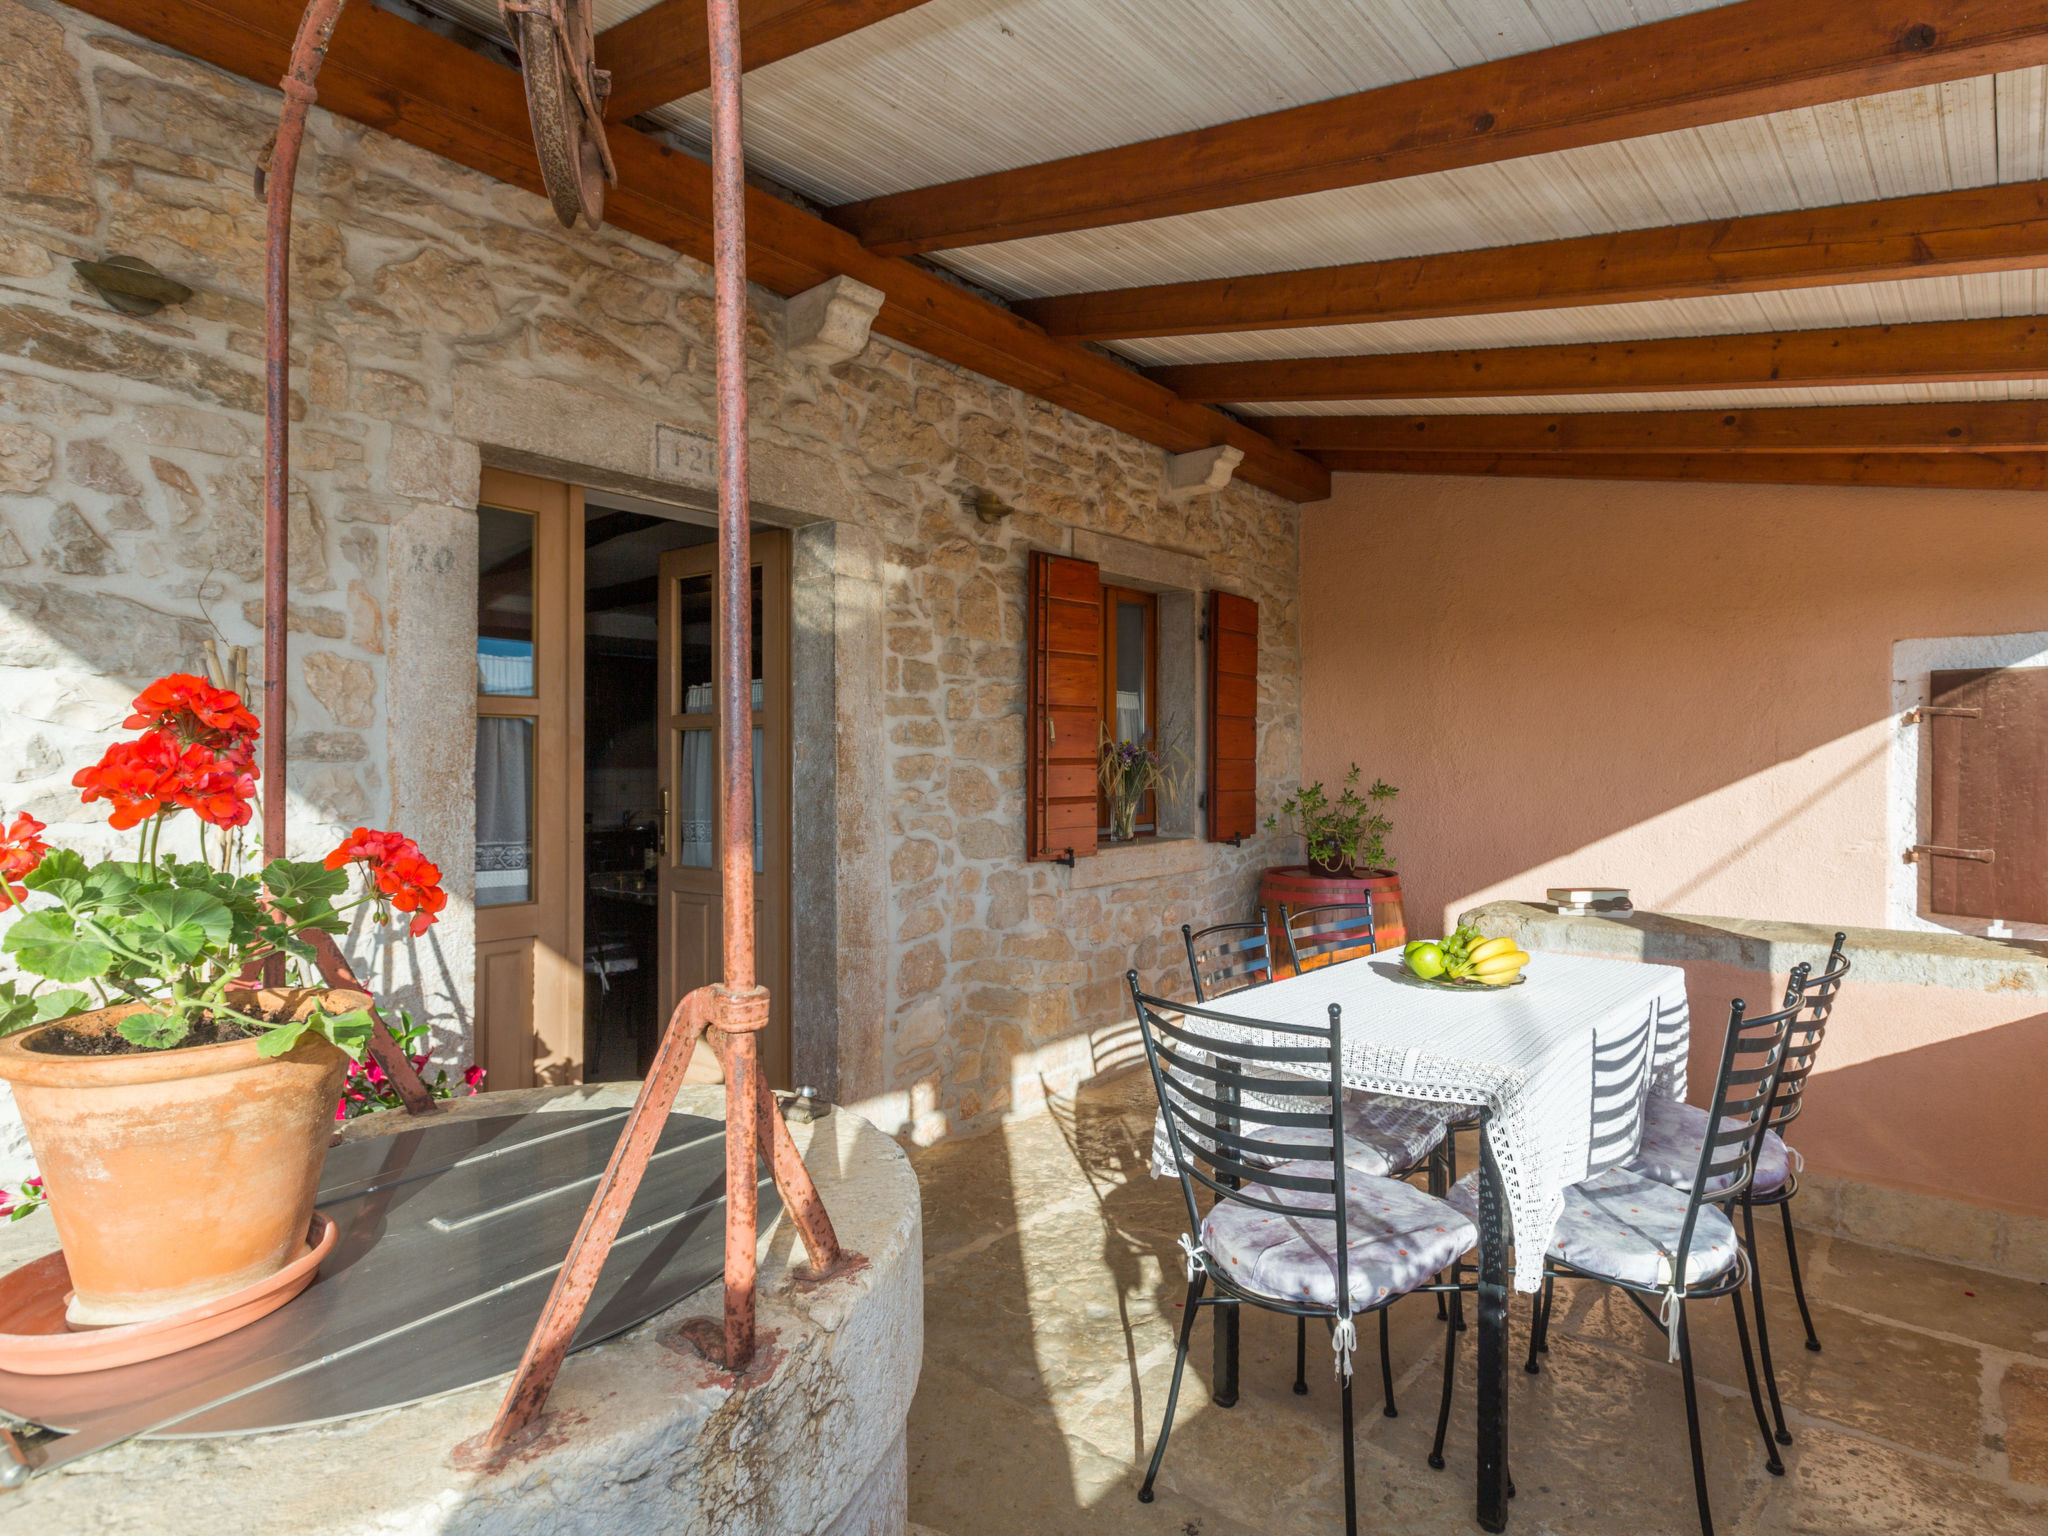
{"type": "Point", "coordinates": [1466, 955]}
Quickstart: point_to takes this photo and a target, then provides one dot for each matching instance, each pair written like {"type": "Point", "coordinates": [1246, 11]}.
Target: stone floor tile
{"type": "Point", "coordinates": [1842, 1485]}
{"type": "Point", "coordinates": [1877, 1376]}
{"type": "Point", "coordinates": [2023, 1398]}
{"type": "Point", "coordinates": [1970, 1303]}
{"type": "Point", "coordinates": [984, 1464]}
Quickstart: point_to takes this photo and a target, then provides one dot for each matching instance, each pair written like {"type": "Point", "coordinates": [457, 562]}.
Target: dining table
{"type": "Point", "coordinates": [1556, 1071]}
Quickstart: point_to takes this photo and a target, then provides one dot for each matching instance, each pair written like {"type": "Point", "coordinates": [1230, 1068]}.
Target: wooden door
{"type": "Point", "coordinates": [529, 911]}
{"type": "Point", "coordinates": [692, 929]}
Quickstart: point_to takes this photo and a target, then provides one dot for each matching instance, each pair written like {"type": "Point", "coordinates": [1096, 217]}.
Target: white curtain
{"type": "Point", "coordinates": [504, 810]}
{"type": "Point", "coordinates": [697, 823]}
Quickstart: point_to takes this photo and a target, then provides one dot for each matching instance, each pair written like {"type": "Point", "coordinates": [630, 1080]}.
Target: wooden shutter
{"type": "Point", "coordinates": [1065, 706]}
{"type": "Point", "coordinates": [1990, 783]}
{"type": "Point", "coordinates": [1233, 716]}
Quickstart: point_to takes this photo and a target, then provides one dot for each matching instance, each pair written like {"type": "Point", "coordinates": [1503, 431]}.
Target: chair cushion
{"type": "Point", "coordinates": [1672, 1136]}
{"type": "Point", "coordinates": [1623, 1226]}
{"type": "Point", "coordinates": [1399, 1237]}
{"type": "Point", "coordinates": [1383, 1135]}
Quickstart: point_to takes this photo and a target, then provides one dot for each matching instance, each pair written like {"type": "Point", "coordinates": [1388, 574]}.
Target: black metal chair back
{"type": "Point", "coordinates": [1815, 997]}
{"type": "Point", "coordinates": [1227, 957]}
{"type": "Point", "coordinates": [1329, 930]}
{"type": "Point", "coordinates": [1752, 1057]}
{"type": "Point", "coordinates": [1199, 1059]}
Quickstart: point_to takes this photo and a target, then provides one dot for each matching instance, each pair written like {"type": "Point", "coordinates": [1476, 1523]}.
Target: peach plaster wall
{"type": "Point", "coordinates": [1683, 689]}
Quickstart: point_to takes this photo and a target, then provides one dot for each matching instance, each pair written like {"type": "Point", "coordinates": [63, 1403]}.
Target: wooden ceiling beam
{"type": "Point", "coordinates": [401, 79]}
{"type": "Point", "coordinates": [1969, 426]}
{"type": "Point", "coordinates": [1927, 471]}
{"type": "Point", "coordinates": [1936, 351]}
{"type": "Point", "coordinates": [664, 52]}
{"type": "Point", "coordinates": [1733, 61]}
{"type": "Point", "coordinates": [1942, 234]}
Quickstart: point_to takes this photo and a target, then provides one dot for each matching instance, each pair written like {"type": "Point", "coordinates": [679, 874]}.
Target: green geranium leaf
{"type": "Point", "coordinates": [291, 944]}
{"type": "Point", "coordinates": [17, 1008]}
{"type": "Point", "coordinates": [275, 1042]}
{"type": "Point", "coordinates": [302, 880]}
{"type": "Point", "coordinates": [58, 866]}
{"type": "Point", "coordinates": [49, 944]}
{"type": "Point", "coordinates": [154, 1031]}
{"type": "Point", "coordinates": [111, 881]}
{"type": "Point", "coordinates": [181, 924]}
{"type": "Point", "coordinates": [61, 1003]}
{"type": "Point", "coordinates": [61, 874]}
{"type": "Point", "coordinates": [350, 1031]}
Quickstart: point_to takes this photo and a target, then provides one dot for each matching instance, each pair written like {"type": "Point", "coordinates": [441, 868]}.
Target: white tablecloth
{"type": "Point", "coordinates": [1563, 1062]}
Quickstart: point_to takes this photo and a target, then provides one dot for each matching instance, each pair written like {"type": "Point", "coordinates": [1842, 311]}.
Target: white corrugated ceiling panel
{"type": "Point", "coordinates": [1981, 296]}
{"type": "Point", "coordinates": [961, 87]}
{"type": "Point", "coordinates": [1967, 133]}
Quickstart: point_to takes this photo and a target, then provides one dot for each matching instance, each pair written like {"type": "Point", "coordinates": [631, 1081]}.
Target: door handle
{"type": "Point", "coordinates": [667, 823]}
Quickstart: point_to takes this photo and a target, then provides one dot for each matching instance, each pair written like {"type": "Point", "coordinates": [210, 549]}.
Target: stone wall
{"type": "Point", "coordinates": [444, 321]}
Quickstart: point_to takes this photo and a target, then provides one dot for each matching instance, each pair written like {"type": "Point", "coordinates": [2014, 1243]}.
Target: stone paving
{"type": "Point", "coordinates": [1052, 1296]}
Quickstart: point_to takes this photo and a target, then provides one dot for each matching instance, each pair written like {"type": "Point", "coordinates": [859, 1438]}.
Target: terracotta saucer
{"type": "Point", "coordinates": [35, 1341]}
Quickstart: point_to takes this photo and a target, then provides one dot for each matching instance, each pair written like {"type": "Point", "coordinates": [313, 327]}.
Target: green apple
{"type": "Point", "coordinates": [1426, 960]}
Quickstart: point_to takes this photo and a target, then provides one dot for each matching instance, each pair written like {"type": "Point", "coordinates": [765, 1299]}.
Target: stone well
{"type": "Point", "coordinates": [642, 1433]}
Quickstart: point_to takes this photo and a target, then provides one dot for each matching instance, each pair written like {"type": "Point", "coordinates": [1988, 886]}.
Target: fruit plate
{"type": "Point", "coordinates": [1399, 971]}
{"type": "Point", "coordinates": [1466, 984]}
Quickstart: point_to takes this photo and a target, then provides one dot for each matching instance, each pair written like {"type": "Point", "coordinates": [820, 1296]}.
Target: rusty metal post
{"type": "Point", "coordinates": [743, 1006]}
{"type": "Point", "coordinates": [309, 52]}
{"type": "Point", "coordinates": [592, 1245]}
{"type": "Point", "coordinates": [736, 1009]}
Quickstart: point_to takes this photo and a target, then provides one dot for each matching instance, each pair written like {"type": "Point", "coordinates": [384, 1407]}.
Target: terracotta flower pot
{"type": "Point", "coordinates": [176, 1177]}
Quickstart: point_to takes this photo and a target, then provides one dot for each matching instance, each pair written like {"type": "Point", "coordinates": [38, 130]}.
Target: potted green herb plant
{"type": "Point", "coordinates": [1346, 844]}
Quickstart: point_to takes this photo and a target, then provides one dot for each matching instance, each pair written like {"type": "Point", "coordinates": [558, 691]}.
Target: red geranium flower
{"type": "Point", "coordinates": [153, 775]}
{"type": "Point", "coordinates": [402, 874]}
{"type": "Point", "coordinates": [136, 778]}
{"type": "Point", "coordinates": [218, 790]}
{"type": "Point", "coordinates": [20, 851]}
{"type": "Point", "coordinates": [195, 713]}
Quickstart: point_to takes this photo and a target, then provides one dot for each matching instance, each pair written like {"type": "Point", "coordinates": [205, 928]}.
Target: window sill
{"type": "Point", "coordinates": [1148, 858]}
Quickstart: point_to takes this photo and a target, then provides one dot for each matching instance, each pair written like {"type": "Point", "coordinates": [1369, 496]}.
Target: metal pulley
{"type": "Point", "coordinates": [565, 97]}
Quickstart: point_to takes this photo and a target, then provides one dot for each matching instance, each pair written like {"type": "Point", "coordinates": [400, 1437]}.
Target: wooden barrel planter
{"type": "Point", "coordinates": [1299, 885]}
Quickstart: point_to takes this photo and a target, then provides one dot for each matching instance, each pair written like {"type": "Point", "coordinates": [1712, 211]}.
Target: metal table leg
{"type": "Point", "coordinates": [1223, 1390]}
{"type": "Point", "coordinates": [1493, 1339]}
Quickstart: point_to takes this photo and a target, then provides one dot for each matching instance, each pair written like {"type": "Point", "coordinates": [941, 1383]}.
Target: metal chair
{"type": "Point", "coordinates": [1648, 1238]}
{"type": "Point", "coordinates": [1672, 1133]}
{"type": "Point", "coordinates": [1262, 1241]}
{"type": "Point", "coordinates": [1383, 1134]}
{"type": "Point", "coordinates": [1816, 996]}
{"type": "Point", "coordinates": [1333, 931]}
{"type": "Point", "coordinates": [1227, 957]}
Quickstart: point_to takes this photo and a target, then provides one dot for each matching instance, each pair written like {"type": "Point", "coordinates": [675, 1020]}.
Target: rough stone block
{"type": "Point", "coordinates": [439, 292]}
{"type": "Point", "coordinates": [432, 467]}
{"type": "Point", "coordinates": [46, 153]}
{"type": "Point", "coordinates": [27, 458]}
{"type": "Point", "coordinates": [345, 687]}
